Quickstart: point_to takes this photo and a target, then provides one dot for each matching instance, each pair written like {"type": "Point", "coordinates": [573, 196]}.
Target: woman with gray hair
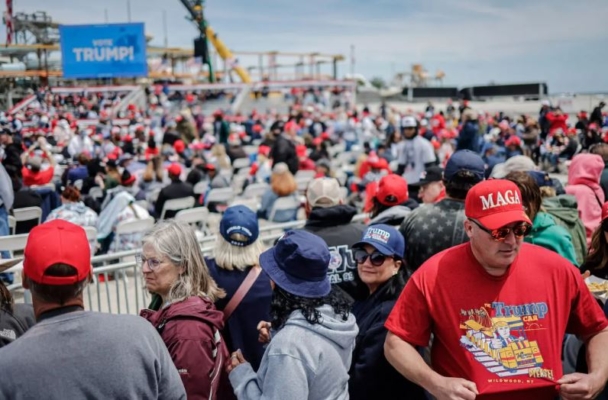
{"type": "Point", "coordinates": [174, 269]}
{"type": "Point", "coordinates": [235, 267]}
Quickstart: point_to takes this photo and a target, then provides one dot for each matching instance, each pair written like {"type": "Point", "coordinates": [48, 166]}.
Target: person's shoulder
{"type": "Point", "coordinates": [544, 259]}
{"type": "Point", "coordinates": [452, 256]}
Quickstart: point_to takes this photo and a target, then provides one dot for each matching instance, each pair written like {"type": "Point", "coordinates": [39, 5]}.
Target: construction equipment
{"type": "Point", "coordinates": [195, 7]}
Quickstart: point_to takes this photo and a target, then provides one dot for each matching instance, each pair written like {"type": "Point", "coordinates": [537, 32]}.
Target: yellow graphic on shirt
{"type": "Point", "coordinates": [497, 338]}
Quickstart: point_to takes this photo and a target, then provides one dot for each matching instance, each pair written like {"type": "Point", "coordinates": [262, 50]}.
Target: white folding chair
{"type": "Point", "coordinates": [222, 196]}
{"type": "Point", "coordinates": [250, 149]}
{"type": "Point", "coordinates": [96, 192]}
{"type": "Point", "coordinates": [283, 203]}
{"type": "Point", "coordinates": [196, 217]}
{"type": "Point", "coordinates": [12, 224]}
{"type": "Point", "coordinates": [305, 174]}
{"type": "Point", "coordinates": [27, 214]}
{"type": "Point", "coordinates": [177, 204]}
{"type": "Point", "coordinates": [343, 193]}
{"type": "Point", "coordinates": [143, 204]}
{"type": "Point", "coordinates": [78, 184]}
{"type": "Point", "coordinates": [226, 173]}
{"type": "Point", "coordinates": [243, 172]}
{"type": "Point", "coordinates": [127, 228]}
{"type": "Point", "coordinates": [255, 190]}
{"type": "Point", "coordinates": [91, 232]}
{"type": "Point", "coordinates": [341, 177]}
{"type": "Point", "coordinates": [303, 183]}
{"type": "Point", "coordinates": [237, 183]}
{"type": "Point", "coordinates": [13, 243]}
{"type": "Point", "coordinates": [253, 204]}
{"type": "Point", "coordinates": [241, 163]}
{"type": "Point", "coordinates": [201, 187]}
{"type": "Point", "coordinates": [153, 195]}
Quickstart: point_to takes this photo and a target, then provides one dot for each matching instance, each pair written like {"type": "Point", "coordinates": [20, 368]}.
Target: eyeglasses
{"type": "Point", "coordinates": [376, 258]}
{"type": "Point", "coordinates": [153, 263]}
{"type": "Point", "coordinates": [501, 234]}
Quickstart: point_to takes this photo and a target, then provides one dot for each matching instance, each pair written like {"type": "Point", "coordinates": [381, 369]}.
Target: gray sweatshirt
{"type": "Point", "coordinates": [87, 355]}
{"type": "Point", "coordinates": [302, 361]}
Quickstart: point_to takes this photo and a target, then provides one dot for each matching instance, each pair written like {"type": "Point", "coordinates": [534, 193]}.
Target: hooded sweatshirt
{"type": "Point", "coordinates": [584, 183]}
{"type": "Point", "coordinates": [393, 216]}
{"type": "Point", "coordinates": [191, 331]}
{"type": "Point", "coordinates": [563, 209]}
{"type": "Point", "coordinates": [546, 233]}
{"type": "Point", "coordinates": [302, 361]}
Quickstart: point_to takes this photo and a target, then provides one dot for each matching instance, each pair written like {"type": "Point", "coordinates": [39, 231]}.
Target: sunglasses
{"type": "Point", "coordinates": [501, 234]}
{"type": "Point", "coordinates": [376, 258]}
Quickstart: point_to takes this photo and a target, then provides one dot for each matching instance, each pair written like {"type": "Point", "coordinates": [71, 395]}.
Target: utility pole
{"type": "Point", "coordinates": [129, 10]}
{"type": "Point", "coordinates": [165, 29]}
{"type": "Point", "coordinates": [195, 7]}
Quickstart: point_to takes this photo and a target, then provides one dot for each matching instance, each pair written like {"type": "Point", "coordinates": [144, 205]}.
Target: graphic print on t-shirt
{"type": "Point", "coordinates": [497, 337]}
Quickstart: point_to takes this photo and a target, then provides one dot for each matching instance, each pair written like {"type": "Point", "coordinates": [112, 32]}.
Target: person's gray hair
{"type": "Point", "coordinates": [229, 257]}
{"type": "Point", "coordinates": [177, 241]}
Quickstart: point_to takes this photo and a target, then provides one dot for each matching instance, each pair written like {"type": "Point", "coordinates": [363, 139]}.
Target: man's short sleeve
{"type": "Point", "coordinates": [586, 316]}
{"type": "Point", "coordinates": [428, 155]}
{"type": "Point", "coordinates": [46, 176]}
{"type": "Point", "coordinates": [411, 318]}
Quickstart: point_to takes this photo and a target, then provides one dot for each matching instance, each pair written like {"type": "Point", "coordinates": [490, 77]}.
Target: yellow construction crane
{"type": "Point", "coordinates": [195, 7]}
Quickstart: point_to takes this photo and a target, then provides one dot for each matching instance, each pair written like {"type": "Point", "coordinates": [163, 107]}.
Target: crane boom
{"type": "Point", "coordinates": [195, 8]}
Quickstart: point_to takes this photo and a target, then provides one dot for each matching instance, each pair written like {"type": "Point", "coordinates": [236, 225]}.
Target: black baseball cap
{"type": "Point", "coordinates": [430, 175]}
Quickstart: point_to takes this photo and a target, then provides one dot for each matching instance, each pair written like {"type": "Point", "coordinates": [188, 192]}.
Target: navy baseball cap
{"type": "Point", "coordinates": [239, 219]}
{"type": "Point", "coordinates": [464, 160]}
{"type": "Point", "coordinates": [541, 178]}
{"type": "Point", "coordinates": [298, 264]}
{"type": "Point", "coordinates": [384, 238]}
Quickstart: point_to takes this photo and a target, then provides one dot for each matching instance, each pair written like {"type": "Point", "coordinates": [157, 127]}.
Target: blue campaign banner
{"type": "Point", "coordinates": [103, 51]}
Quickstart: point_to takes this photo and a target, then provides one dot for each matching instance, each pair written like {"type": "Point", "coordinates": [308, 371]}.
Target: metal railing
{"type": "Point", "coordinates": [118, 286]}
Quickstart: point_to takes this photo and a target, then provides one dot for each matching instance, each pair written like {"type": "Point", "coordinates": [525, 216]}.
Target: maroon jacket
{"type": "Point", "coordinates": [191, 330]}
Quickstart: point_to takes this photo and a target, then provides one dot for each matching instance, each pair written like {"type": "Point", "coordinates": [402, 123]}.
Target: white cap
{"type": "Point", "coordinates": [323, 192]}
{"type": "Point", "coordinates": [545, 103]}
{"type": "Point", "coordinates": [408, 122]}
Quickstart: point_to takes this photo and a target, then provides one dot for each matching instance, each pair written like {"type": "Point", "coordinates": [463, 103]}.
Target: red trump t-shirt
{"type": "Point", "coordinates": [503, 333]}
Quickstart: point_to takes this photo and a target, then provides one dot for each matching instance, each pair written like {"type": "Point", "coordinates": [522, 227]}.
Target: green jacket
{"type": "Point", "coordinates": [546, 233]}
{"type": "Point", "coordinates": [564, 210]}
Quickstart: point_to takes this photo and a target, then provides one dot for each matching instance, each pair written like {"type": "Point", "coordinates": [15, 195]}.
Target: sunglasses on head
{"type": "Point", "coordinates": [501, 234]}
{"type": "Point", "coordinates": [376, 258]}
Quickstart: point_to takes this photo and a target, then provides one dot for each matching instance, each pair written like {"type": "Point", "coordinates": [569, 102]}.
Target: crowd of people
{"type": "Point", "coordinates": [466, 279]}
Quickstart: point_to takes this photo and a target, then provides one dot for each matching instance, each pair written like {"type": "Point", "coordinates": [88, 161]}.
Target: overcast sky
{"type": "Point", "coordinates": [562, 42]}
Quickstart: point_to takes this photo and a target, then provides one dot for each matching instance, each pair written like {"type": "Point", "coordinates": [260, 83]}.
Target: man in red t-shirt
{"type": "Point", "coordinates": [498, 309]}
{"type": "Point", "coordinates": [32, 172]}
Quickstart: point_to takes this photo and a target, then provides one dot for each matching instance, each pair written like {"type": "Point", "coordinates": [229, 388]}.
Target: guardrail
{"type": "Point", "coordinates": [117, 285]}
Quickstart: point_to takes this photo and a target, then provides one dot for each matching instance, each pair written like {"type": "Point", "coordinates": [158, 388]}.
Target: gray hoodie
{"type": "Point", "coordinates": [302, 361]}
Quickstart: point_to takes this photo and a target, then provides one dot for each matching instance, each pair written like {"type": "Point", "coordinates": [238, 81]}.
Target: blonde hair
{"type": "Point", "coordinates": [177, 241]}
{"type": "Point", "coordinates": [283, 184]}
{"type": "Point", "coordinates": [230, 257]}
{"type": "Point", "coordinates": [219, 151]}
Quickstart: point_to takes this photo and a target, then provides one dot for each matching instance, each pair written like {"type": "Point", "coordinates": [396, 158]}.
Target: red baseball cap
{"type": "Point", "coordinates": [301, 150]}
{"type": "Point", "coordinates": [57, 242]}
{"type": "Point", "coordinates": [392, 190]}
{"type": "Point", "coordinates": [605, 211]}
{"type": "Point", "coordinates": [174, 169]}
{"type": "Point", "coordinates": [495, 203]}
{"type": "Point", "coordinates": [179, 146]}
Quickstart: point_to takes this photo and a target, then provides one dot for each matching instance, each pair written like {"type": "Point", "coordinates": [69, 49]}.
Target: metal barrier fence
{"type": "Point", "coordinates": [118, 286]}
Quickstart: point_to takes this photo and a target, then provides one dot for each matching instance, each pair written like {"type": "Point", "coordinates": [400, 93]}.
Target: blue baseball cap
{"type": "Point", "coordinates": [464, 160]}
{"type": "Point", "coordinates": [239, 219]}
{"type": "Point", "coordinates": [541, 178]}
{"type": "Point", "coordinates": [298, 264]}
{"type": "Point", "coordinates": [384, 238]}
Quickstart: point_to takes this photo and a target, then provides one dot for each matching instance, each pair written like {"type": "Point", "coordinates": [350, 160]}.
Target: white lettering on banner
{"type": "Point", "coordinates": [502, 199]}
{"type": "Point", "coordinates": [104, 53]}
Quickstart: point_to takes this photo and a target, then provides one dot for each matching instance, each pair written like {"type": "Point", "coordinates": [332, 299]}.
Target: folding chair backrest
{"type": "Point", "coordinates": [96, 192]}
{"type": "Point", "coordinates": [241, 163]}
{"type": "Point", "coordinates": [283, 203]}
{"type": "Point", "coordinates": [13, 243]}
{"type": "Point", "coordinates": [27, 214]}
{"type": "Point", "coordinates": [223, 196]}
{"type": "Point", "coordinates": [139, 226]}
{"type": "Point", "coordinates": [305, 174]}
{"type": "Point", "coordinates": [255, 190]}
{"type": "Point", "coordinates": [177, 204]}
{"type": "Point", "coordinates": [91, 232]}
{"type": "Point", "coordinates": [153, 195]}
{"type": "Point", "coordinates": [193, 216]}
{"type": "Point", "coordinates": [201, 187]}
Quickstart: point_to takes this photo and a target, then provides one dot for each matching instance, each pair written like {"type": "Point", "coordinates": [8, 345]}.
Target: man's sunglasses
{"type": "Point", "coordinates": [376, 258]}
{"type": "Point", "coordinates": [501, 234]}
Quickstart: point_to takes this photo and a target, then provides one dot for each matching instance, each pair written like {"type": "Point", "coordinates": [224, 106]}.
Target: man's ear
{"type": "Point", "coordinates": [468, 228]}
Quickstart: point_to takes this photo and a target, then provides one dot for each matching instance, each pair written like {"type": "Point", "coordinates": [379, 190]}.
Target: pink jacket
{"type": "Point", "coordinates": [584, 183]}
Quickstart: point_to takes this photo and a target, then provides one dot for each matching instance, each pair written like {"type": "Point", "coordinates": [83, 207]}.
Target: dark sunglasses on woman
{"type": "Point", "coordinates": [376, 258]}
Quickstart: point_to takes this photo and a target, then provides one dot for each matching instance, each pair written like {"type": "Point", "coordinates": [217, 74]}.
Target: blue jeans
{"type": "Point", "coordinates": [6, 277]}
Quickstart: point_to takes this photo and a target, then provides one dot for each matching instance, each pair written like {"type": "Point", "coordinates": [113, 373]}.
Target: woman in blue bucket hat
{"type": "Point", "coordinates": [313, 338]}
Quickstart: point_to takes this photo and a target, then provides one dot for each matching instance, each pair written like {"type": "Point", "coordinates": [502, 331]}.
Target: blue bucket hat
{"type": "Point", "coordinates": [384, 238]}
{"type": "Point", "coordinates": [298, 264]}
{"type": "Point", "coordinates": [239, 219]}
